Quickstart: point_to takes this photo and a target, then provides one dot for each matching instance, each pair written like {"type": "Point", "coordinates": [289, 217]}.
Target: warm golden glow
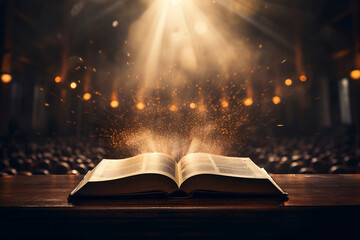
{"type": "Point", "coordinates": [185, 36]}
{"type": "Point", "coordinates": [140, 106]}
{"type": "Point", "coordinates": [224, 103]}
{"type": "Point", "coordinates": [288, 82]}
{"type": "Point", "coordinates": [248, 102]}
{"type": "Point", "coordinates": [303, 78]}
{"type": "Point", "coordinates": [276, 100]}
{"type": "Point", "coordinates": [355, 74]}
{"type": "Point", "coordinates": [114, 103]}
{"type": "Point", "coordinates": [176, 2]}
{"type": "Point", "coordinates": [6, 78]}
{"type": "Point", "coordinates": [192, 105]}
{"type": "Point", "coordinates": [86, 96]}
{"type": "Point", "coordinates": [57, 79]}
{"type": "Point", "coordinates": [73, 85]}
{"type": "Point", "coordinates": [173, 108]}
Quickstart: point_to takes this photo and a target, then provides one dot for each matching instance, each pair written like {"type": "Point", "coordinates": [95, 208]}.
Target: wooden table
{"type": "Point", "coordinates": [318, 206]}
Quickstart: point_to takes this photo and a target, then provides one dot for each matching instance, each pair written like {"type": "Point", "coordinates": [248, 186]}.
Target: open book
{"type": "Point", "coordinates": [159, 172]}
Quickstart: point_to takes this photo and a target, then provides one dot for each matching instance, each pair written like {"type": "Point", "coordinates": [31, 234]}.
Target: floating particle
{"type": "Point", "coordinates": [283, 60]}
{"type": "Point", "coordinates": [115, 23]}
{"type": "Point", "coordinates": [47, 104]}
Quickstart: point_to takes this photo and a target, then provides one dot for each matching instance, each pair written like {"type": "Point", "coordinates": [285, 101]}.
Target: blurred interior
{"type": "Point", "coordinates": [275, 80]}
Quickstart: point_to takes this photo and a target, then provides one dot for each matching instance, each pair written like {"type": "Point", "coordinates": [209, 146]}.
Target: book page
{"type": "Point", "coordinates": [147, 163]}
{"type": "Point", "coordinates": [203, 163]}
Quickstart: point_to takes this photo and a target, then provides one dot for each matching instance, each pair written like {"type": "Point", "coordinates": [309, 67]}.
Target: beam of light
{"type": "Point", "coordinates": [6, 78]}
{"type": "Point", "coordinates": [228, 5]}
{"type": "Point", "coordinates": [188, 38]}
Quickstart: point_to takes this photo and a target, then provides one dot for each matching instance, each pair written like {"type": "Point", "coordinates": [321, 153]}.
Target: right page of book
{"type": "Point", "coordinates": [204, 163]}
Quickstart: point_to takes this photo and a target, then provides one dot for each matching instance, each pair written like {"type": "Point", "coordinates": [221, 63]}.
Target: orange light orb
{"type": "Point", "coordinates": [140, 106]}
{"type": "Point", "coordinates": [355, 74]}
{"type": "Point", "coordinates": [303, 78]}
{"type": "Point", "coordinates": [288, 82]}
{"type": "Point", "coordinates": [192, 105]}
{"type": "Point", "coordinates": [73, 85]}
{"type": "Point", "coordinates": [173, 108]}
{"type": "Point", "coordinates": [86, 96]}
{"type": "Point", "coordinates": [276, 100]}
{"type": "Point", "coordinates": [57, 79]}
{"type": "Point", "coordinates": [224, 104]}
{"type": "Point", "coordinates": [114, 103]}
{"type": "Point", "coordinates": [6, 78]}
{"type": "Point", "coordinates": [248, 102]}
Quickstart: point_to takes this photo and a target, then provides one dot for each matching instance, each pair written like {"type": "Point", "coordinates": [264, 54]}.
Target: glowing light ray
{"type": "Point", "coordinates": [252, 21]}
{"type": "Point", "coordinates": [221, 49]}
{"type": "Point", "coordinates": [180, 35]}
{"type": "Point", "coordinates": [152, 59]}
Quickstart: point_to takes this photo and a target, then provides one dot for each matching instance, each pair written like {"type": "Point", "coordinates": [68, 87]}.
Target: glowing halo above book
{"type": "Point", "coordinates": [160, 173]}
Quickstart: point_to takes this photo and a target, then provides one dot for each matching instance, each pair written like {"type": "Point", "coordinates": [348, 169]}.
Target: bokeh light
{"type": "Point", "coordinates": [276, 100]}
{"type": "Point", "coordinates": [173, 108]}
{"type": "Point", "coordinates": [73, 85]}
{"type": "Point", "coordinates": [57, 79]}
{"type": "Point", "coordinates": [192, 105]}
{"type": "Point", "coordinates": [248, 102]}
{"type": "Point", "coordinates": [355, 74]}
{"type": "Point", "coordinates": [114, 103]}
{"type": "Point", "coordinates": [303, 78]}
{"type": "Point", "coordinates": [6, 78]}
{"type": "Point", "coordinates": [224, 104]}
{"type": "Point", "coordinates": [140, 106]}
{"type": "Point", "coordinates": [87, 96]}
{"type": "Point", "coordinates": [288, 82]}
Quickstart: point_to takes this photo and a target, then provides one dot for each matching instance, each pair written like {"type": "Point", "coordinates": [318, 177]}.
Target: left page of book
{"type": "Point", "coordinates": [147, 163]}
